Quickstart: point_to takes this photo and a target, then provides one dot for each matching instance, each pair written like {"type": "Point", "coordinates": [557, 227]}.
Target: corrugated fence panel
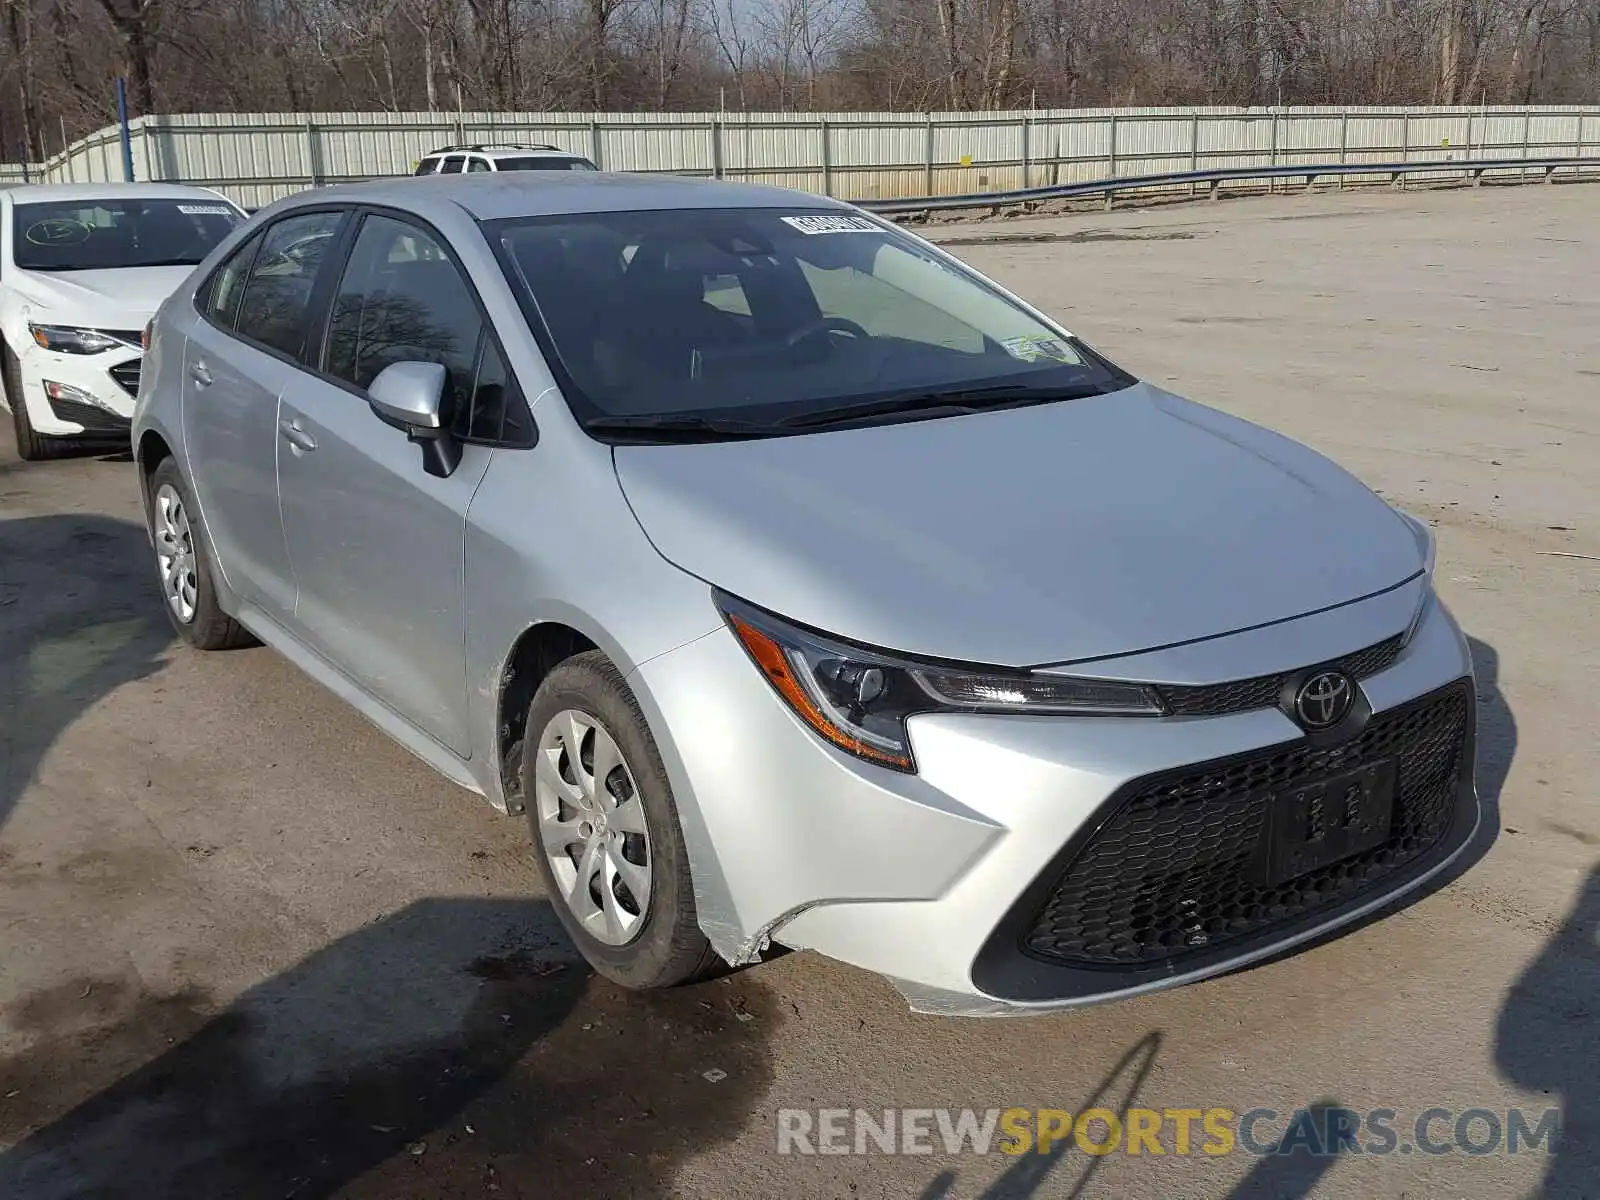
{"type": "Point", "coordinates": [259, 157]}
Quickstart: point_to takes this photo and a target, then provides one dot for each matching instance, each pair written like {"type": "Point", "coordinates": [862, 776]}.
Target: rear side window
{"type": "Point", "coordinates": [275, 308]}
{"type": "Point", "coordinates": [226, 287]}
{"type": "Point", "coordinates": [452, 165]}
{"type": "Point", "coordinates": [427, 166]}
{"type": "Point", "coordinates": [478, 164]}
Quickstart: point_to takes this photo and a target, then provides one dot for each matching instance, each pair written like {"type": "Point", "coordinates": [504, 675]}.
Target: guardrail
{"type": "Point", "coordinates": [1310, 172]}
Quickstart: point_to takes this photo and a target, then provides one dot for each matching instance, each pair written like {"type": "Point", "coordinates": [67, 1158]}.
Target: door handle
{"type": "Point", "coordinates": [199, 373]}
{"type": "Point", "coordinates": [295, 436]}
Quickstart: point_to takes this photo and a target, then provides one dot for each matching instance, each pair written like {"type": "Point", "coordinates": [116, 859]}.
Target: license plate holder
{"type": "Point", "coordinates": [1316, 824]}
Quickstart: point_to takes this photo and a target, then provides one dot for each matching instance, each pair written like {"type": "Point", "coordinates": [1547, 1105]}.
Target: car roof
{"type": "Point", "coordinates": [508, 150]}
{"type": "Point", "coordinates": [30, 193]}
{"type": "Point", "coordinates": [492, 196]}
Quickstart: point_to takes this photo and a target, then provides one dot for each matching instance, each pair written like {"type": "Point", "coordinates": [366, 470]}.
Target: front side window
{"type": "Point", "coordinates": [763, 315]}
{"type": "Point", "coordinates": [427, 166]}
{"type": "Point", "coordinates": [99, 235]}
{"type": "Point", "coordinates": [275, 307]}
{"type": "Point", "coordinates": [226, 288]}
{"type": "Point", "coordinates": [403, 299]}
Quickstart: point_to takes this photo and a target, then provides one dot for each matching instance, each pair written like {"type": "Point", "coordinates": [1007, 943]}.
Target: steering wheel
{"type": "Point", "coordinates": [824, 325]}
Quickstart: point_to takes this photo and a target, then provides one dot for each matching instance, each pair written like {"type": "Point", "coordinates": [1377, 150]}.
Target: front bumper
{"type": "Point", "coordinates": [932, 879]}
{"type": "Point", "coordinates": [103, 388]}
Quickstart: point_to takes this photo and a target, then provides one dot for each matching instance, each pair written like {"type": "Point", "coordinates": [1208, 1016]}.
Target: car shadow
{"type": "Point", "coordinates": [79, 616]}
{"type": "Point", "coordinates": [455, 1047]}
{"type": "Point", "coordinates": [1116, 1092]}
{"type": "Point", "coordinates": [1545, 1042]}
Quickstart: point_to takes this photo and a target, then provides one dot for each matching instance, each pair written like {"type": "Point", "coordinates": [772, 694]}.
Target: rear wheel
{"type": "Point", "coordinates": [183, 566]}
{"type": "Point", "coordinates": [31, 446]}
{"type": "Point", "coordinates": [605, 827]}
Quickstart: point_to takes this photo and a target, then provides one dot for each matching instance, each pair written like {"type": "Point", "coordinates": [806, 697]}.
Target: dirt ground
{"type": "Point", "coordinates": [250, 948]}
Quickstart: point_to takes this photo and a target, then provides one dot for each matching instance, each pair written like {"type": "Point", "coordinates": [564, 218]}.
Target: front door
{"type": "Point", "coordinates": [376, 542]}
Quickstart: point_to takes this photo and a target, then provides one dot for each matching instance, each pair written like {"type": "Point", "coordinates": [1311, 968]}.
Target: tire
{"type": "Point", "coordinates": [31, 446]}
{"type": "Point", "coordinates": [192, 607]}
{"type": "Point", "coordinates": [661, 945]}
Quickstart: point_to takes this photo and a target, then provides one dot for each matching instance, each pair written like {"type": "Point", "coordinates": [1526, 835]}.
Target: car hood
{"type": "Point", "coordinates": [1025, 537]}
{"type": "Point", "coordinates": [120, 298]}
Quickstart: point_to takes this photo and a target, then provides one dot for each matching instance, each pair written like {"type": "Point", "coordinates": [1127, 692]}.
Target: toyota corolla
{"type": "Point", "coordinates": [804, 588]}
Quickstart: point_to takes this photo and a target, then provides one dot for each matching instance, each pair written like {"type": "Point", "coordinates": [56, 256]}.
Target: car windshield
{"type": "Point", "coordinates": [93, 235]}
{"type": "Point", "coordinates": [544, 162]}
{"type": "Point", "coordinates": [755, 316]}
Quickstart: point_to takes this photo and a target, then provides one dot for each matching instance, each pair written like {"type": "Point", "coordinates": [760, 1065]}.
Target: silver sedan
{"type": "Point", "coordinates": [803, 587]}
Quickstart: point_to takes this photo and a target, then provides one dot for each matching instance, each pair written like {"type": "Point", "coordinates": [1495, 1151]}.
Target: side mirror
{"type": "Point", "coordinates": [411, 396]}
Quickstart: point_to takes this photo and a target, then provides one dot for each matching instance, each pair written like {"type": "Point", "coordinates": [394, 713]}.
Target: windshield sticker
{"type": "Point", "coordinates": [57, 231]}
{"type": "Point", "coordinates": [1038, 349]}
{"type": "Point", "coordinates": [831, 224]}
{"type": "Point", "coordinates": [206, 210]}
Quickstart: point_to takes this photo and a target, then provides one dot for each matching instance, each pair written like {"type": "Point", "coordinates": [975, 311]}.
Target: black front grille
{"type": "Point", "coordinates": [127, 376]}
{"type": "Point", "coordinates": [1241, 695]}
{"type": "Point", "coordinates": [93, 419]}
{"type": "Point", "coordinates": [1178, 866]}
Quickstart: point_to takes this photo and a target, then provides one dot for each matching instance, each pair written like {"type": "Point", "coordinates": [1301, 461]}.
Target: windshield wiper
{"type": "Point", "coordinates": [679, 427]}
{"type": "Point", "coordinates": [963, 400]}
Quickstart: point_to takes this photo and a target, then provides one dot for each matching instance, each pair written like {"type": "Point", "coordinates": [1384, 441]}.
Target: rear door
{"type": "Point", "coordinates": [377, 543]}
{"type": "Point", "coordinates": [239, 357]}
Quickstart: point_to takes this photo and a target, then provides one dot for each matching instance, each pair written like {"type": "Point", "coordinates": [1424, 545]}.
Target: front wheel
{"type": "Point", "coordinates": [605, 830]}
{"type": "Point", "coordinates": [31, 446]}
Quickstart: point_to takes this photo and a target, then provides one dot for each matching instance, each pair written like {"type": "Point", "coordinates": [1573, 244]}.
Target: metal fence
{"type": "Point", "coordinates": [257, 158]}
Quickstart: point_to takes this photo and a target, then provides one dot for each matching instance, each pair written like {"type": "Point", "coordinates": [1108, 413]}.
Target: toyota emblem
{"type": "Point", "coordinates": [1324, 700]}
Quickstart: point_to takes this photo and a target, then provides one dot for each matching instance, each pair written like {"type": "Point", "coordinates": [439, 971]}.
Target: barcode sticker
{"type": "Point", "coordinates": [840, 224]}
{"type": "Point", "coordinates": [206, 210]}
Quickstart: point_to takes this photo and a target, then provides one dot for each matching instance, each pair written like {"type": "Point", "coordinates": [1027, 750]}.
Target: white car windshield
{"type": "Point", "coordinates": [95, 235]}
{"type": "Point", "coordinates": [764, 316]}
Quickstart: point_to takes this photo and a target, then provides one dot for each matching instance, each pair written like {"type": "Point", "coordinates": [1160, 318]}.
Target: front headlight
{"type": "Point", "coordinates": [859, 699]}
{"type": "Point", "coordinates": [69, 339]}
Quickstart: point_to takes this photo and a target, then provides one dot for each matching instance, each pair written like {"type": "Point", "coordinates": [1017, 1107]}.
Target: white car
{"type": "Point", "coordinates": [456, 160]}
{"type": "Point", "coordinates": [83, 268]}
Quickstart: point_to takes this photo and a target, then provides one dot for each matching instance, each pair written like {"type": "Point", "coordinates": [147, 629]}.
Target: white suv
{"type": "Point", "coordinates": [454, 160]}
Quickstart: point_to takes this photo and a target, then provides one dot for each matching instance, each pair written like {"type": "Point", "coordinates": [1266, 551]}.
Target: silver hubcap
{"type": "Point", "coordinates": [590, 824]}
{"type": "Point", "coordinates": [175, 553]}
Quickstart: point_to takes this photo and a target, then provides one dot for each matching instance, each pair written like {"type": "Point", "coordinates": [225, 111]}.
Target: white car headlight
{"type": "Point", "coordinates": [859, 699]}
{"type": "Point", "coordinates": [70, 339]}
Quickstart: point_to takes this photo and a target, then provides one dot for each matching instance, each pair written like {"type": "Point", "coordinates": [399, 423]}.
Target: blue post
{"type": "Point", "coordinates": [122, 120]}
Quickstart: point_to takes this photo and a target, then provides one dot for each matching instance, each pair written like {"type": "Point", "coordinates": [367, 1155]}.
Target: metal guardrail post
{"type": "Point", "coordinates": [928, 190]}
{"type": "Point", "coordinates": [1111, 146]}
{"type": "Point", "coordinates": [1027, 152]}
{"type": "Point", "coordinates": [1272, 160]}
{"type": "Point", "coordinates": [716, 148]}
{"type": "Point", "coordinates": [311, 153]}
{"type": "Point", "coordinates": [1194, 147]}
{"type": "Point", "coordinates": [827, 161]}
{"type": "Point", "coordinates": [1405, 148]}
{"type": "Point", "coordinates": [1527, 129]}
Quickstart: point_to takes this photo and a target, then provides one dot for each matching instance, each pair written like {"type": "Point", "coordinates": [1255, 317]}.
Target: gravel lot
{"type": "Point", "coordinates": [248, 947]}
